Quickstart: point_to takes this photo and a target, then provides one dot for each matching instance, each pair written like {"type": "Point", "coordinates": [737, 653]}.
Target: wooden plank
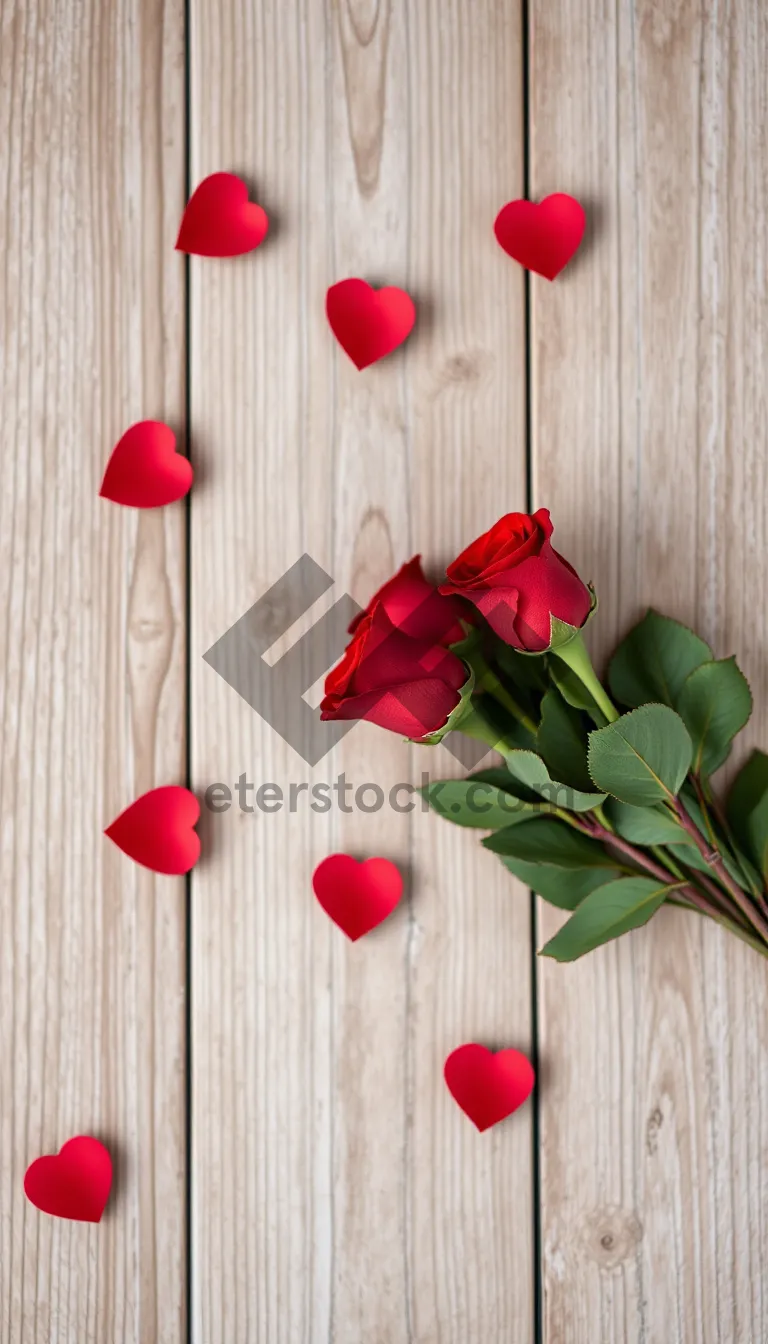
{"type": "Point", "coordinates": [649, 419]}
{"type": "Point", "coordinates": [337, 1192]}
{"type": "Point", "coordinates": [92, 691]}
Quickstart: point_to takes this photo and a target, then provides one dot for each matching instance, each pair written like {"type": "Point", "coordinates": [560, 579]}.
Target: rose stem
{"type": "Point", "coordinates": [723, 912]}
{"type": "Point", "coordinates": [488, 683]}
{"type": "Point", "coordinates": [599, 832]}
{"type": "Point", "coordinates": [574, 655]}
{"type": "Point", "coordinates": [708, 801]}
{"type": "Point", "coordinates": [704, 811]}
{"type": "Point", "coordinates": [474, 724]}
{"type": "Point", "coordinates": [713, 861]}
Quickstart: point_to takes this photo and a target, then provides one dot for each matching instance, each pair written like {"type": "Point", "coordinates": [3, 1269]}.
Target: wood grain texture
{"type": "Point", "coordinates": [649, 423]}
{"type": "Point", "coordinates": [337, 1192]}
{"type": "Point", "coordinates": [91, 694]}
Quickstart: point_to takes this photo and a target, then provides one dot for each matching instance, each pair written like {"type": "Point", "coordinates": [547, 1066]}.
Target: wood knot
{"type": "Point", "coordinates": [611, 1235]}
{"type": "Point", "coordinates": [653, 1125]}
{"type": "Point", "coordinates": [364, 16]}
{"type": "Point", "coordinates": [662, 24]}
{"type": "Point", "coordinates": [364, 31]}
{"type": "Point", "coordinates": [275, 616]}
{"type": "Point", "coordinates": [462, 369]}
{"type": "Point", "coordinates": [145, 630]}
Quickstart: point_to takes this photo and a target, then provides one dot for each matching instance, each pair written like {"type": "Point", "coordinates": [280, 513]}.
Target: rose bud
{"type": "Point", "coordinates": [409, 686]}
{"type": "Point", "coordinates": [415, 606]}
{"type": "Point", "coordinates": [519, 583]}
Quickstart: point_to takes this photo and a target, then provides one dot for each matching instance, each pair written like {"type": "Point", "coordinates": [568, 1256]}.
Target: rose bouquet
{"type": "Point", "coordinates": [603, 804]}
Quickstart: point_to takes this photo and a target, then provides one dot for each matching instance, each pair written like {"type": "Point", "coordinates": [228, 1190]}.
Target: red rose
{"type": "Point", "coordinates": [518, 581]}
{"type": "Point", "coordinates": [407, 685]}
{"type": "Point", "coordinates": [415, 606]}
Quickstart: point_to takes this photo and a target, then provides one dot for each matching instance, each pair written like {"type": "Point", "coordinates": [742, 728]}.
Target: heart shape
{"type": "Point", "coordinates": [144, 470]}
{"type": "Point", "coordinates": [157, 830]}
{"type": "Point", "coordinates": [357, 896]}
{"type": "Point", "coordinates": [368, 323]}
{"type": "Point", "coordinates": [220, 221]}
{"type": "Point", "coordinates": [488, 1087]}
{"type": "Point", "coordinates": [542, 237]}
{"type": "Point", "coordinates": [73, 1184]}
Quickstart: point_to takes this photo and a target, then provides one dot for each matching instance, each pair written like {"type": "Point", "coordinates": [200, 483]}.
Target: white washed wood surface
{"type": "Point", "coordinates": [649, 424]}
{"type": "Point", "coordinates": [92, 689]}
{"type": "Point", "coordinates": [337, 1191]}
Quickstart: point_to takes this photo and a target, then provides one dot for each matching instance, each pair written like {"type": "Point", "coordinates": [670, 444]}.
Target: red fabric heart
{"type": "Point", "coordinates": [488, 1087]}
{"type": "Point", "coordinates": [144, 470]}
{"type": "Point", "coordinates": [357, 896]}
{"type": "Point", "coordinates": [157, 830]}
{"type": "Point", "coordinates": [368, 323]}
{"type": "Point", "coordinates": [220, 221]}
{"type": "Point", "coordinates": [542, 237]}
{"type": "Point", "coordinates": [73, 1184]}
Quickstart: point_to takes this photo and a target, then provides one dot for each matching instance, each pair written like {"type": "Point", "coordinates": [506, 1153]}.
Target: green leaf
{"type": "Point", "coordinates": [606, 913]}
{"type": "Point", "coordinates": [562, 742]}
{"type": "Point", "coordinates": [477, 802]}
{"type": "Point", "coordinates": [533, 773]}
{"type": "Point", "coordinates": [563, 887]}
{"type": "Point", "coordinates": [714, 703]}
{"type": "Point", "coordinates": [643, 757]}
{"type": "Point", "coordinates": [644, 825]}
{"type": "Point", "coordinates": [747, 809]}
{"type": "Point", "coordinates": [500, 777]}
{"type": "Point", "coordinates": [574, 691]}
{"type": "Point", "coordinates": [654, 660]}
{"type": "Point", "coordinates": [549, 840]}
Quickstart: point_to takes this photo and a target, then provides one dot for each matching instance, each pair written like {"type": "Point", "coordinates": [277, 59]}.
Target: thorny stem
{"type": "Point", "coordinates": [599, 832]}
{"type": "Point", "coordinates": [711, 857]}
{"type": "Point", "coordinates": [723, 905]}
{"type": "Point", "coordinates": [656, 870]}
{"type": "Point", "coordinates": [708, 802]}
{"type": "Point", "coordinates": [689, 895]}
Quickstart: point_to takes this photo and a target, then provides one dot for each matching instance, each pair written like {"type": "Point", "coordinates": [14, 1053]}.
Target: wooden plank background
{"type": "Point", "coordinates": [335, 1192]}
{"type": "Point", "coordinates": [93, 645]}
{"type": "Point", "coordinates": [649, 421]}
